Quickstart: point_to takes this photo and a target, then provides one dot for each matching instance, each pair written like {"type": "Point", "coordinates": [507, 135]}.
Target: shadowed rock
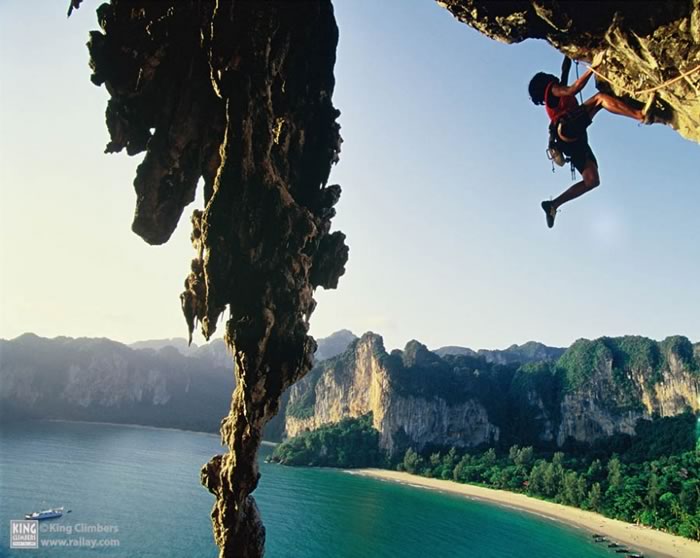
{"type": "Point", "coordinates": [237, 95]}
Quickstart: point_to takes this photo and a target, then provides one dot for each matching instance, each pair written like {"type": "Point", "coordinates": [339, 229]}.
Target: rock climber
{"type": "Point", "coordinates": [568, 124]}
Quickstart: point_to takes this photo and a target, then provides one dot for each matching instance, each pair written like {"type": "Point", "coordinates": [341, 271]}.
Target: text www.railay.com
{"type": "Point", "coordinates": [80, 542]}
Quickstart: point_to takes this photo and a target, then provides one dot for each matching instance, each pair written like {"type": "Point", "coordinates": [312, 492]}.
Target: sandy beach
{"type": "Point", "coordinates": [652, 543]}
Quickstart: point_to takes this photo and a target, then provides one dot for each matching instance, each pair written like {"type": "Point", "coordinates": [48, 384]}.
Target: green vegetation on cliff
{"type": "Point", "coordinates": [525, 423]}
{"type": "Point", "coordinates": [624, 355]}
{"type": "Point", "coordinates": [302, 405]}
{"type": "Point", "coordinates": [541, 403]}
{"type": "Point", "coordinates": [684, 351]}
{"type": "Point", "coordinates": [349, 443]}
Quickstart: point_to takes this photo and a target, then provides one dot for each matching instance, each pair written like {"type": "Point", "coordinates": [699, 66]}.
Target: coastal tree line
{"type": "Point", "coordinates": [662, 493]}
{"type": "Point", "coordinates": [652, 478]}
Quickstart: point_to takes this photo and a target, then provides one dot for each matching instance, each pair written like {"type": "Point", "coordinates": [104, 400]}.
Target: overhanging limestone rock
{"type": "Point", "coordinates": [646, 44]}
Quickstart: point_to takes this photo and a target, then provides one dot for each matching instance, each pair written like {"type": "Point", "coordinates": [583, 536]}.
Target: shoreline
{"type": "Point", "coordinates": [129, 425]}
{"type": "Point", "coordinates": [650, 542]}
{"type": "Point", "coordinates": [147, 427]}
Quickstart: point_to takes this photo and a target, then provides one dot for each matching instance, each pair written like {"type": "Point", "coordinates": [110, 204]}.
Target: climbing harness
{"type": "Point", "coordinates": [554, 153]}
{"type": "Point", "coordinates": [571, 125]}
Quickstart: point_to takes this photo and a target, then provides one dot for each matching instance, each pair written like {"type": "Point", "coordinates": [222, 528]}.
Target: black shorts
{"type": "Point", "coordinates": [579, 151]}
{"type": "Point", "coordinates": [573, 125]}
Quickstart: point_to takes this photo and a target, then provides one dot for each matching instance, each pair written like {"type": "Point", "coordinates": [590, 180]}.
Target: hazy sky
{"type": "Point", "coordinates": [443, 170]}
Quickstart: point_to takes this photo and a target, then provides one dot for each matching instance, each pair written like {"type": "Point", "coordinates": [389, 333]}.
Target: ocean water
{"type": "Point", "coordinates": [140, 488]}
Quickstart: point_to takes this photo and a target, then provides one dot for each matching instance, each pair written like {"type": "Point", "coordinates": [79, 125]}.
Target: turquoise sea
{"type": "Point", "coordinates": [140, 488]}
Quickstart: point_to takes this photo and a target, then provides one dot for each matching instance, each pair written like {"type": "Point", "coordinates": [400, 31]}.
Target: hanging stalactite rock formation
{"type": "Point", "coordinates": [646, 43]}
{"type": "Point", "coordinates": [237, 94]}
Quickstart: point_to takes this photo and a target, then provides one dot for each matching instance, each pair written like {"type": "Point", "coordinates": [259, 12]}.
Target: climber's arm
{"type": "Point", "coordinates": [565, 67]}
{"type": "Point", "coordinates": [580, 83]}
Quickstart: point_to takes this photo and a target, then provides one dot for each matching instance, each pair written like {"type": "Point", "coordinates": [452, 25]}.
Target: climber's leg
{"type": "Point", "coordinates": [611, 104]}
{"type": "Point", "coordinates": [591, 180]}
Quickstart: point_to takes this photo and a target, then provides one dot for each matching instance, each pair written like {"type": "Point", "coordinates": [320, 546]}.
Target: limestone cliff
{"type": "Point", "coordinates": [417, 398]}
{"type": "Point", "coordinates": [615, 382]}
{"type": "Point", "coordinates": [105, 381]}
{"type": "Point", "coordinates": [646, 43]}
{"type": "Point", "coordinates": [367, 379]}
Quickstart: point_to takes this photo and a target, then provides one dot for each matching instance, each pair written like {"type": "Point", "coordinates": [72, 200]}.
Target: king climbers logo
{"type": "Point", "coordinates": [24, 534]}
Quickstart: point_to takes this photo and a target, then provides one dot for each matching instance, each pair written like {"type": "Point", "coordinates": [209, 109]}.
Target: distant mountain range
{"type": "Point", "coordinates": [179, 343]}
{"type": "Point", "coordinates": [452, 395]}
{"type": "Point", "coordinates": [158, 382]}
{"type": "Point", "coordinates": [531, 351]}
{"type": "Point", "coordinates": [328, 347]}
{"type": "Point", "coordinates": [334, 344]}
{"type": "Point", "coordinates": [106, 381]}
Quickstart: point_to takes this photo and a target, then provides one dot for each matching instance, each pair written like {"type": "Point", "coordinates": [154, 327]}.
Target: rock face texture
{"type": "Point", "coordinates": [239, 95]}
{"type": "Point", "coordinates": [416, 410]}
{"type": "Point", "coordinates": [417, 398]}
{"type": "Point", "coordinates": [615, 382]}
{"type": "Point", "coordinates": [646, 44]}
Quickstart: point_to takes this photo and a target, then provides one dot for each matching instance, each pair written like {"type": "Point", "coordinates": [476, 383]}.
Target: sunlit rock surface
{"type": "Point", "coordinates": [408, 393]}
{"type": "Point", "coordinates": [646, 43]}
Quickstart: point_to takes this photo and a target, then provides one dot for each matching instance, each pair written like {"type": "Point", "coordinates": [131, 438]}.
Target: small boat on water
{"type": "Point", "coordinates": [600, 539]}
{"type": "Point", "coordinates": [635, 555]}
{"type": "Point", "coordinates": [46, 514]}
{"type": "Point", "coordinates": [622, 550]}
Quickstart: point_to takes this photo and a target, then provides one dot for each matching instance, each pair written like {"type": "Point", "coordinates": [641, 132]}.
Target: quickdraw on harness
{"type": "Point", "coordinates": [555, 155]}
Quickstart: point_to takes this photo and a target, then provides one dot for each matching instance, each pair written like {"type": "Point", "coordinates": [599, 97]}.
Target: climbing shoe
{"type": "Point", "coordinates": [550, 212]}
